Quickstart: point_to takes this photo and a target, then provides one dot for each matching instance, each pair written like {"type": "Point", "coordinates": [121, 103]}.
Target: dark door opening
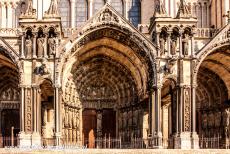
{"type": "Point", "coordinates": [109, 123]}
{"type": "Point", "coordinates": [10, 118]}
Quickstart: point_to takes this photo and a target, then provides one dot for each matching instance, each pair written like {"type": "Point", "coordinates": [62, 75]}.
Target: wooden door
{"type": "Point", "coordinates": [89, 118]}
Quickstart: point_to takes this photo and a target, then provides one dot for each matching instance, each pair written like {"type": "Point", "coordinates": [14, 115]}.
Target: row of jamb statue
{"type": "Point", "coordinates": [43, 48]}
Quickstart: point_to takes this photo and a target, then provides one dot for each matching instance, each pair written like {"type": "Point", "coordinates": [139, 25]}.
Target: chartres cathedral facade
{"type": "Point", "coordinates": [76, 72]}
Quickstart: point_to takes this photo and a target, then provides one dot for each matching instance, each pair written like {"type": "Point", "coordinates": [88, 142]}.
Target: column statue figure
{"type": "Point", "coordinates": [29, 45]}
{"type": "Point", "coordinates": [162, 45]}
{"type": "Point", "coordinates": [41, 44]}
{"type": "Point", "coordinates": [185, 44]}
{"type": "Point", "coordinates": [52, 44]}
{"type": "Point", "coordinates": [173, 46]}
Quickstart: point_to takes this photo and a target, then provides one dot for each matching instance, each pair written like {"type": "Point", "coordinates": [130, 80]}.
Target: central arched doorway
{"type": "Point", "coordinates": [213, 99]}
{"type": "Point", "coordinates": [106, 90]}
{"type": "Point", "coordinates": [104, 86]}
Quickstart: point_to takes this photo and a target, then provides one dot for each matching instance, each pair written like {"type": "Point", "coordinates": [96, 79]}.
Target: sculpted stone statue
{"type": "Point", "coordinates": [9, 94]}
{"type": "Point", "coordinates": [217, 119]}
{"type": "Point", "coordinates": [124, 120]}
{"type": "Point", "coordinates": [99, 123]}
{"type": "Point", "coordinates": [105, 16]}
{"type": "Point", "coordinates": [226, 116]}
{"type": "Point", "coordinates": [211, 120]}
{"type": "Point", "coordinates": [74, 136]}
{"type": "Point", "coordinates": [173, 46]}
{"type": "Point", "coordinates": [162, 45]}
{"type": "Point", "coordinates": [66, 117]}
{"type": "Point", "coordinates": [204, 121]}
{"type": "Point", "coordinates": [4, 95]}
{"type": "Point", "coordinates": [16, 95]}
{"type": "Point", "coordinates": [41, 44]}
{"type": "Point", "coordinates": [52, 44]}
{"type": "Point", "coordinates": [70, 119]}
{"type": "Point", "coordinates": [185, 44]}
{"type": "Point", "coordinates": [78, 120]}
{"type": "Point", "coordinates": [28, 44]}
{"type": "Point", "coordinates": [44, 117]}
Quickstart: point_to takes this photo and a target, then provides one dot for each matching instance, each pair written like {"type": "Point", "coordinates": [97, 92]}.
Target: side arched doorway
{"type": "Point", "coordinates": [9, 101]}
{"type": "Point", "coordinates": [47, 114]}
{"type": "Point", "coordinates": [168, 112]}
{"type": "Point", "coordinates": [213, 99]}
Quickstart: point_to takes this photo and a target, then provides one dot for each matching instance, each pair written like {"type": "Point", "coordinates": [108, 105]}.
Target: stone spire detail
{"type": "Point", "coordinates": [160, 10]}
{"type": "Point", "coordinates": [30, 12]}
{"type": "Point", "coordinates": [53, 9]}
{"type": "Point", "coordinates": [183, 11]}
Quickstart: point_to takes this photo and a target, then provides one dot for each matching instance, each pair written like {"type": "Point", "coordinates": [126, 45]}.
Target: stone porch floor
{"type": "Point", "coordinates": [115, 151]}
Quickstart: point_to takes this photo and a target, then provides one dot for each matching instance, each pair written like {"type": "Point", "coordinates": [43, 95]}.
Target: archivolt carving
{"type": "Point", "coordinates": [220, 40]}
{"type": "Point", "coordinates": [117, 29]}
{"type": "Point", "coordinates": [9, 94]}
{"type": "Point", "coordinates": [9, 51]}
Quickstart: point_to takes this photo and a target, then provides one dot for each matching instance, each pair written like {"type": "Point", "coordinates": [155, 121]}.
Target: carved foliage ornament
{"type": "Point", "coordinates": [187, 109]}
{"type": "Point", "coordinates": [28, 127]}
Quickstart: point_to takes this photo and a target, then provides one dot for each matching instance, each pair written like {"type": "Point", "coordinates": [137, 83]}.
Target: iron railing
{"type": "Point", "coordinates": [215, 142]}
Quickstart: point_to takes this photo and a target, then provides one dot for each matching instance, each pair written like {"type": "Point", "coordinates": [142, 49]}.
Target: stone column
{"type": "Point", "coordinates": [195, 138]}
{"type": "Point", "coordinates": [57, 116]}
{"type": "Point", "coordinates": [99, 123]}
{"type": "Point", "coordinates": [46, 45]}
{"type": "Point", "coordinates": [36, 137]}
{"type": "Point", "coordinates": [22, 138]}
{"type": "Point", "coordinates": [208, 15]}
{"type": "Point", "coordinates": [22, 124]}
{"type": "Point", "coordinates": [158, 44]}
{"type": "Point", "coordinates": [9, 15]}
{"type": "Point", "coordinates": [39, 110]}
{"type": "Point", "coordinates": [34, 45]}
{"type": "Point", "coordinates": [180, 45]}
{"type": "Point", "coordinates": [192, 45]}
{"type": "Point", "coordinates": [158, 131]}
{"type": "Point", "coordinates": [126, 14]}
{"type": "Point", "coordinates": [3, 9]}
{"type": "Point", "coordinates": [23, 45]}
{"type": "Point", "coordinates": [73, 13]}
{"type": "Point", "coordinates": [151, 111]}
{"type": "Point", "coordinates": [202, 15]}
{"type": "Point", "coordinates": [155, 117]}
{"type": "Point", "coordinates": [90, 8]}
{"type": "Point", "coordinates": [14, 5]}
{"type": "Point", "coordinates": [169, 44]}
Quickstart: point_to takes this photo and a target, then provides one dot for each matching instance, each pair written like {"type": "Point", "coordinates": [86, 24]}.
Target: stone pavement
{"type": "Point", "coordinates": [114, 151]}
